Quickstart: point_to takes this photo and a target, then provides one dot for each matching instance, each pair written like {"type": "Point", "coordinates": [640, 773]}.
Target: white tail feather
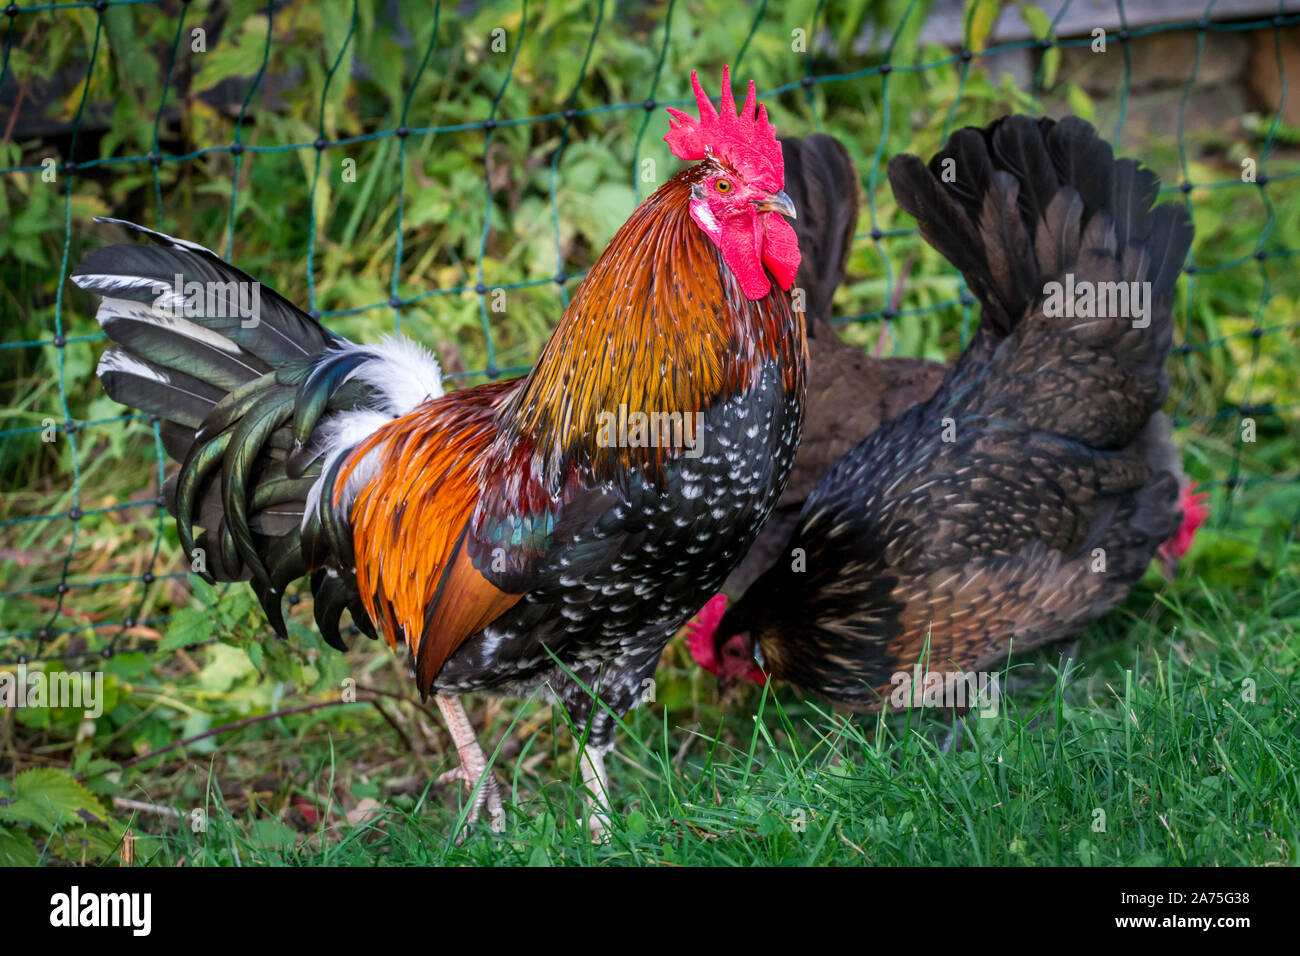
{"type": "Point", "coordinates": [116, 360]}
{"type": "Point", "coordinates": [405, 374]}
{"type": "Point", "coordinates": [129, 309]}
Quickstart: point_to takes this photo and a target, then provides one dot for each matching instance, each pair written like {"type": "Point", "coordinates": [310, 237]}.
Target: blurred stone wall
{"type": "Point", "coordinates": [1235, 93]}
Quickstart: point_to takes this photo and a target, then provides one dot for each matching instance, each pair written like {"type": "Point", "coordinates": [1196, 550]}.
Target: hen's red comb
{"type": "Point", "coordinates": [699, 634]}
{"type": "Point", "coordinates": [700, 642]}
{"type": "Point", "coordinates": [1195, 511]}
{"type": "Point", "coordinates": [745, 140]}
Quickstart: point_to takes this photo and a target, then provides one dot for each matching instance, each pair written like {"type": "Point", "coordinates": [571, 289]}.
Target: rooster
{"type": "Point", "coordinates": [515, 537]}
{"type": "Point", "coordinates": [1032, 490]}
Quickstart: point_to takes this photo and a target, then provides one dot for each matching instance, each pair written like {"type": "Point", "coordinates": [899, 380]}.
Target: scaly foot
{"type": "Point", "coordinates": [488, 796]}
{"type": "Point", "coordinates": [473, 767]}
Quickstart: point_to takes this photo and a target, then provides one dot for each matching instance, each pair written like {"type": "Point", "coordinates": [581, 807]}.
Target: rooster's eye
{"type": "Point", "coordinates": [724, 186]}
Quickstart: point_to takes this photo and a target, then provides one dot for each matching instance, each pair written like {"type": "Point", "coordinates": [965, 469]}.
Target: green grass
{"type": "Point", "coordinates": [1172, 742]}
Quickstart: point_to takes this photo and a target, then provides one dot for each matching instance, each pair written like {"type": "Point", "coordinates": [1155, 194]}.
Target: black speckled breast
{"type": "Point", "coordinates": [632, 563]}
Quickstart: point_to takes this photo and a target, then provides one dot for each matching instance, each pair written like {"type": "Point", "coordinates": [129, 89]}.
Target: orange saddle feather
{"type": "Point", "coordinates": [410, 520]}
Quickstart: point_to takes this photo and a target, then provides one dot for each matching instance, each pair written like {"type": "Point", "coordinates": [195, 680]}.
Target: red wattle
{"type": "Point", "coordinates": [740, 251]}
{"type": "Point", "coordinates": [748, 245]}
{"type": "Point", "coordinates": [780, 250]}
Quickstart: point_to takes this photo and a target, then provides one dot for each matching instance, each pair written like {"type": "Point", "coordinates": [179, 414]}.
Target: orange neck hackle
{"type": "Point", "coordinates": [658, 327]}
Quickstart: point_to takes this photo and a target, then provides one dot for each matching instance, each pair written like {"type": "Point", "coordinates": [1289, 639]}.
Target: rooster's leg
{"type": "Point", "coordinates": [473, 765]}
{"type": "Point", "coordinates": [596, 783]}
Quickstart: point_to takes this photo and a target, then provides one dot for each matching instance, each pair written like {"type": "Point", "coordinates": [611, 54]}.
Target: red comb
{"type": "Point", "coordinates": [699, 634]}
{"type": "Point", "coordinates": [743, 139]}
{"type": "Point", "coordinates": [1195, 511]}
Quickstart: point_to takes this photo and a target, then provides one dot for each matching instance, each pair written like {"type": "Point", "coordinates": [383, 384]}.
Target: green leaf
{"type": "Point", "coordinates": [233, 54]}
{"type": "Point", "coordinates": [226, 666]}
{"type": "Point", "coordinates": [1051, 63]}
{"type": "Point", "coordinates": [1080, 102]}
{"type": "Point", "coordinates": [362, 790]}
{"type": "Point", "coordinates": [189, 625]}
{"type": "Point", "coordinates": [205, 593]}
{"type": "Point", "coordinates": [195, 724]}
{"type": "Point", "coordinates": [134, 70]}
{"type": "Point", "coordinates": [539, 857]}
{"type": "Point", "coordinates": [46, 797]}
{"type": "Point", "coordinates": [637, 824]}
{"type": "Point", "coordinates": [981, 15]}
{"type": "Point", "coordinates": [17, 849]}
{"type": "Point", "coordinates": [96, 843]}
{"type": "Point", "coordinates": [273, 835]}
{"type": "Point", "coordinates": [1087, 852]}
{"type": "Point", "coordinates": [1041, 26]}
{"type": "Point", "coordinates": [1037, 21]}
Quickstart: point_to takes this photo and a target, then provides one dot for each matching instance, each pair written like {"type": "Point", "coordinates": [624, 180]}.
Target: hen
{"type": "Point", "coordinates": [1032, 490]}
{"type": "Point", "coordinates": [548, 533]}
{"type": "Point", "coordinates": [849, 392]}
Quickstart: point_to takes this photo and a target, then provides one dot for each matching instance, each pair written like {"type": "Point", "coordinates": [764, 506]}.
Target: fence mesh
{"type": "Point", "coordinates": [48, 535]}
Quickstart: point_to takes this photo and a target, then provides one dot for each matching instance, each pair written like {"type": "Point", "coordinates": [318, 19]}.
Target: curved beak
{"type": "Point", "coordinates": [777, 202]}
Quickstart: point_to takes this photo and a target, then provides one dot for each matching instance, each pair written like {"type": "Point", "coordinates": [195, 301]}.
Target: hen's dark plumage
{"type": "Point", "coordinates": [849, 392]}
{"type": "Point", "coordinates": [1029, 494]}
